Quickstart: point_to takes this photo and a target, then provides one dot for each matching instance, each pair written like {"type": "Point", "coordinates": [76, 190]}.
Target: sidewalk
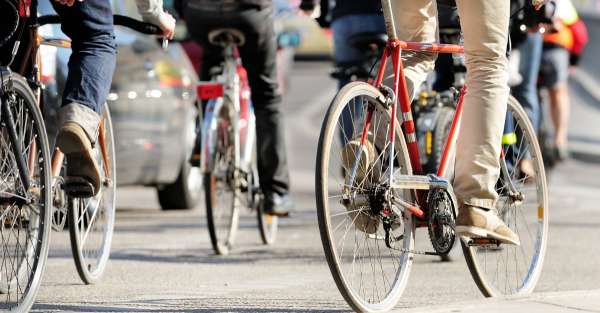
{"type": "Point", "coordinates": [552, 302]}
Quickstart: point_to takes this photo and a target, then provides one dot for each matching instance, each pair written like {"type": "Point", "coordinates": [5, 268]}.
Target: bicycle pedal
{"type": "Point", "coordinates": [78, 187]}
{"type": "Point", "coordinates": [477, 242]}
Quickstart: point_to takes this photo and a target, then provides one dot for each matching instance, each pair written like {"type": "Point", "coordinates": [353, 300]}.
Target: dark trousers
{"type": "Point", "coordinates": [258, 57]}
{"type": "Point", "coordinates": [89, 24]}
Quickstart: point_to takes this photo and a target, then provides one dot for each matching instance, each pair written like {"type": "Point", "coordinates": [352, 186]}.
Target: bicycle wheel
{"type": "Point", "coordinates": [370, 274]}
{"type": "Point", "coordinates": [221, 188]}
{"type": "Point", "coordinates": [508, 269]}
{"type": "Point", "coordinates": [92, 220]}
{"type": "Point", "coordinates": [267, 224]}
{"type": "Point", "coordinates": [24, 225]}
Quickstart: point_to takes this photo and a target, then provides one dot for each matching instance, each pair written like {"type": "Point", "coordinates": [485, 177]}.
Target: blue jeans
{"type": "Point", "coordinates": [526, 92]}
{"type": "Point", "coordinates": [89, 24]}
{"type": "Point", "coordinates": [343, 28]}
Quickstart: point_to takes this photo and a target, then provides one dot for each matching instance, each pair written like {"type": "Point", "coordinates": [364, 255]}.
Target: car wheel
{"type": "Point", "coordinates": [185, 192]}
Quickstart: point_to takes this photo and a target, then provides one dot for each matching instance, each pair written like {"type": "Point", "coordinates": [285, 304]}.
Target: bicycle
{"type": "Point", "coordinates": [228, 148]}
{"type": "Point", "coordinates": [369, 210]}
{"type": "Point", "coordinates": [88, 217]}
{"type": "Point", "coordinates": [25, 186]}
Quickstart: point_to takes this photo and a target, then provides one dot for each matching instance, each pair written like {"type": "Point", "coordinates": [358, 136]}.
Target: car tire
{"type": "Point", "coordinates": [184, 193]}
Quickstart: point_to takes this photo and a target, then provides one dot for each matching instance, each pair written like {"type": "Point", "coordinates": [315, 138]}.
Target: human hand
{"type": "Point", "coordinates": [167, 24]}
{"type": "Point", "coordinates": [67, 2]}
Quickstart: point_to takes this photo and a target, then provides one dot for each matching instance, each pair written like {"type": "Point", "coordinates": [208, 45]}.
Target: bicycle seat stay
{"type": "Point", "coordinates": [224, 37]}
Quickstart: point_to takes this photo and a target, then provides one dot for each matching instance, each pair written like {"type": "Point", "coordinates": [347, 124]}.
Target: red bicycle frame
{"type": "Point", "coordinates": [394, 49]}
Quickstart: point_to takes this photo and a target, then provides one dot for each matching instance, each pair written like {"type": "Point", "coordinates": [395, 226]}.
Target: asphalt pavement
{"type": "Point", "coordinates": [163, 262]}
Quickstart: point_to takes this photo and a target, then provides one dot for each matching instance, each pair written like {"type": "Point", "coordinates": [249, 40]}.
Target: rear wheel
{"type": "Point", "coordinates": [24, 225]}
{"type": "Point", "coordinates": [366, 249]}
{"type": "Point", "coordinates": [92, 220]}
{"type": "Point", "coordinates": [267, 223]}
{"type": "Point", "coordinates": [222, 192]}
{"type": "Point", "coordinates": [508, 269]}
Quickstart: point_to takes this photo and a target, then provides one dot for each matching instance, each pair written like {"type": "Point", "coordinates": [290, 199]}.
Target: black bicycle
{"type": "Point", "coordinates": [26, 175]}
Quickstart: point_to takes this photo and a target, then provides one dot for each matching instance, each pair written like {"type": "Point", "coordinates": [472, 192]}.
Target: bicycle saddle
{"type": "Point", "coordinates": [365, 41]}
{"type": "Point", "coordinates": [226, 36]}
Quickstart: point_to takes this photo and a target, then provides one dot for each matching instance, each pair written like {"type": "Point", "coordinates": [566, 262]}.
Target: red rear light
{"type": "Point", "coordinates": [209, 91]}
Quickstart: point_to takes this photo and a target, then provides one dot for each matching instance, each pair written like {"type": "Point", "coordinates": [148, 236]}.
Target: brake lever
{"type": "Point", "coordinates": [165, 44]}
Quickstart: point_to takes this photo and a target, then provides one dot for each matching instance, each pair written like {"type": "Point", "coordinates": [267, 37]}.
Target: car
{"type": "Point", "coordinates": [153, 108]}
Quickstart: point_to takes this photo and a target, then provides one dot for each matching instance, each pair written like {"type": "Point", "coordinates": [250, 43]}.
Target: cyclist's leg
{"type": "Point", "coordinates": [485, 29]}
{"type": "Point", "coordinates": [258, 57]}
{"type": "Point", "coordinates": [199, 23]}
{"type": "Point", "coordinates": [526, 91]}
{"type": "Point", "coordinates": [556, 64]}
{"type": "Point", "coordinates": [416, 20]}
{"type": "Point", "coordinates": [89, 24]}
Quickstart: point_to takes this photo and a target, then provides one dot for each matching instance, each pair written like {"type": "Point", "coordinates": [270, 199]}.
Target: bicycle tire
{"type": "Point", "coordinates": [524, 284]}
{"type": "Point", "coordinates": [30, 264]}
{"type": "Point", "coordinates": [327, 139]}
{"type": "Point", "coordinates": [222, 234]}
{"type": "Point", "coordinates": [91, 260]}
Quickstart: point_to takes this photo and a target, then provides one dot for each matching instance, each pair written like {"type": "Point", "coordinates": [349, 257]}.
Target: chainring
{"type": "Point", "coordinates": [441, 220]}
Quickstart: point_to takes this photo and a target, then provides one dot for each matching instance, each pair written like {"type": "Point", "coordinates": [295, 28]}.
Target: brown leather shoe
{"type": "Point", "coordinates": [360, 216]}
{"type": "Point", "coordinates": [474, 222]}
{"type": "Point", "coordinates": [81, 160]}
{"type": "Point", "coordinates": [365, 162]}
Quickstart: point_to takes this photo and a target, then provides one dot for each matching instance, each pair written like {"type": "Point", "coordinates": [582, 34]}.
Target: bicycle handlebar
{"type": "Point", "coordinates": [120, 20]}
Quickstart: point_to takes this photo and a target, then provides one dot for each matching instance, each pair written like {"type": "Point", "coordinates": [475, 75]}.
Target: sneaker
{"type": "Point", "coordinates": [277, 205]}
{"type": "Point", "coordinates": [475, 222]}
{"type": "Point", "coordinates": [366, 159]}
{"type": "Point", "coordinates": [82, 169]}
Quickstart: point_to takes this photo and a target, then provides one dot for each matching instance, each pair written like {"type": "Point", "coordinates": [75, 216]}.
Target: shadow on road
{"type": "Point", "coordinates": [206, 256]}
{"type": "Point", "coordinates": [183, 305]}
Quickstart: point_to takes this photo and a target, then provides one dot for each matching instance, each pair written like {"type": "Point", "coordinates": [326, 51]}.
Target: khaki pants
{"type": "Point", "coordinates": [485, 28]}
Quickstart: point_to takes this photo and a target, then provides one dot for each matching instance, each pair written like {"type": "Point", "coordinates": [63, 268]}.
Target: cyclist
{"type": "Point", "coordinates": [89, 24]}
{"type": "Point", "coordinates": [254, 18]}
{"type": "Point", "coordinates": [485, 29]}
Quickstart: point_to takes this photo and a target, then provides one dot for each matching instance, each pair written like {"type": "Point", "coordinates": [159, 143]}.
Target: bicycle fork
{"type": "Point", "coordinates": [9, 121]}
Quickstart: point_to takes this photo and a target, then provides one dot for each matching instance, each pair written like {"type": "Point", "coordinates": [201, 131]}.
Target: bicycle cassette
{"type": "Point", "coordinates": [441, 219]}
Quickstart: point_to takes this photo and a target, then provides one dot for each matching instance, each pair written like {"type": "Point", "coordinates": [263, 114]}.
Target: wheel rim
{"type": "Point", "coordinates": [23, 228]}
{"type": "Point", "coordinates": [515, 269]}
{"type": "Point", "coordinates": [370, 275]}
{"type": "Point", "coordinates": [93, 218]}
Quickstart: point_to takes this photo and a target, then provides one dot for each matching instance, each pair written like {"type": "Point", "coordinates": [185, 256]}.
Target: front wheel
{"type": "Point", "coordinates": [24, 225]}
{"type": "Point", "coordinates": [523, 206]}
{"type": "Point", "coordinates": [367, 250]}
{"type": "Point", "coordinates": [92, 220]}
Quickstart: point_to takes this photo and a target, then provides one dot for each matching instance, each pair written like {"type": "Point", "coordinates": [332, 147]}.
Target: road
{"type": "Point", "coordinates": [162, 261]}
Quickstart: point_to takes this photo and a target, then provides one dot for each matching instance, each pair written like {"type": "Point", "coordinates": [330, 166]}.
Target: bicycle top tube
{"type": "Point", "coordinates": [427, 47]}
